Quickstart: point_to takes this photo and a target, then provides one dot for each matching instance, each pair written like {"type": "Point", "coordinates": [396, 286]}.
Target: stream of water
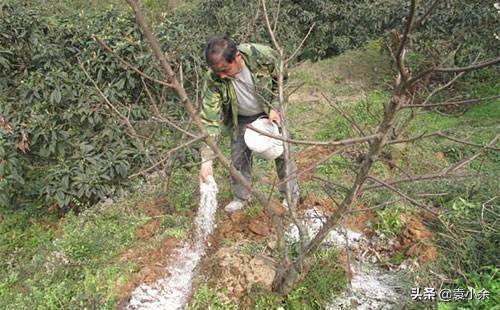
{"type": "Point", "coordinates": [172, 292]}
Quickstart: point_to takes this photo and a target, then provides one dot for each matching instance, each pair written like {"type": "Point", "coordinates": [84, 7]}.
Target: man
{"type": "Point", "coordinates": [238, 89]}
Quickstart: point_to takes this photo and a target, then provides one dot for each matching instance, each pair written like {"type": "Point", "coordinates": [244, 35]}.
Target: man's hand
{"type": "Point", "coordinates": [206, 170]}
{"type": "Point", "coordinates": [274, 116]}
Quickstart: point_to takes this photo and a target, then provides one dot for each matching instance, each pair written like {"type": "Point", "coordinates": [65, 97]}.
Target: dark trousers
{"type": "Point", "coordinates": [242, 159]}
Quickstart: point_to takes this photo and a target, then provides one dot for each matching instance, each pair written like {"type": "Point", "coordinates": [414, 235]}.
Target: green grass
{"type": "Point", "coordinates": [51, 263]}
{"type": "Point", "coordinates": [71, 266]}
{"type": "Point", "coordinates": [205, 297]}
{"type": "Point", "coordinates": [323, 281]}
{"type": "Point", "coordinates": [388, 221]}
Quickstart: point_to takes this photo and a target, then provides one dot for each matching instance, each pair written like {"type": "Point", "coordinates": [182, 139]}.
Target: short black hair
{"type": "Point", "coordinates": [220, 46]}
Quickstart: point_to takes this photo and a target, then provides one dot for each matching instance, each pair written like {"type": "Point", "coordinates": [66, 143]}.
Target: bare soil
{"type": "Point", "coordinates": [151, 260]}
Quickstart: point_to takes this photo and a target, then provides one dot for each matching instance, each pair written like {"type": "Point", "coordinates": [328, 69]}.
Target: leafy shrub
{"type": "Point", "coordinates": [60, 142]}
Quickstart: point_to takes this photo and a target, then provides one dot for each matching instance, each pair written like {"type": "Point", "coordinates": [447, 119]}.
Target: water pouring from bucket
{"type": "Point", "coordinates": [262, 145]}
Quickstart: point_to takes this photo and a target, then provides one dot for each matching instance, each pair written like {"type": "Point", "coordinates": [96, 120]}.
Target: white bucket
{"type": "Point", "coordinates": [264, 146]}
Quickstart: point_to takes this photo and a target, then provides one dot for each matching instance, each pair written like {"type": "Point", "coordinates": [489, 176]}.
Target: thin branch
{"type": "Point", "coordinates": [391, 163]}
{"type": "Point", "coordinates": [404, 124]}
{"type": "Point", "coordinates": [442, 87]}
{"type": "Point", "coordinates": [477, 66]}
{"type": "Point", "coordinates": [300, 45]}
{"type": "Point", "coordinates": [379, 206]}
{"type": "Point", "coordinates": [330, 195]}
{"type": "Point", "coordinates": [296, 88]}
{"type": "Point", "coordinates": [483, 206]}
{"type": "Point", "coordinates": [429, 10]}
{"type": "Point", "coordinates": [399, 52]}
{"type": "Point", "coordinates": [454, 103]}
{"type": "Point", "coordinates": [251, 28]}
{"type": "Point", "coordinates": [167, 156]}
{"type": "Point", "coordinates": [181, 76]}
{"type": "Point", "coordinates": [150, 96]}
{"type": "Point", "coordinates": [331, 183]}
{"type": "Point", "coordinates": [338, 142]}
{"type": "Point", "coordinates": [442, 174]}
{"type": "Point", "coordinates": [488, 147]}
{"type": "Point", "coordinates": [348, 117]}
{"type": "Point", "coordinates": [170, 123]}
{"type": "Point", "coordinates": [442, 135]}
{"type": "Point", "coordinates": [128, 65]}
{"type": "Point", "coordinates": [268, 24]}
{"type": "Point", "coordinates": [120, 115]}
{"type": "Point", "coordinates": [277, 16]}
{"type": "Point", "coordinates": [411, 200]}
{"type": "Point", "coordinates": [296, 174]}
{"type": "Point", "coordinates": [480, 65]}
{"type": "Point", "coordinates": [464, 162]}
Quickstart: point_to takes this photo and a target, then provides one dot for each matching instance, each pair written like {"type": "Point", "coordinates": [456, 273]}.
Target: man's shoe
{"type": "Point", "coordinates": [235, 205]}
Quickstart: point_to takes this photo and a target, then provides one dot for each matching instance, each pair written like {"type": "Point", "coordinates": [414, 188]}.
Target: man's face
{"type": "Point", "coordinates": [225, 69]}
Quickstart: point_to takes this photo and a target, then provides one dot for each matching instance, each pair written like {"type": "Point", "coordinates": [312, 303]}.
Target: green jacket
{"type": "Point", "coordinates": [219, 104]}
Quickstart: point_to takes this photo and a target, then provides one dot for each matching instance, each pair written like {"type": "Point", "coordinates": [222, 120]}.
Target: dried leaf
{"type": "Point", "coordinates": [22, 143]}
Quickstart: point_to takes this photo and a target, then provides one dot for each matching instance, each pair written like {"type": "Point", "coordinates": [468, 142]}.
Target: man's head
{"type": "Point", "coordinates": [222, 56]}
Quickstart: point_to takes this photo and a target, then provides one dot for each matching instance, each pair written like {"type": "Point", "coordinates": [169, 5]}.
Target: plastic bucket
{"type": "Point", "coordinates": [264, 146]}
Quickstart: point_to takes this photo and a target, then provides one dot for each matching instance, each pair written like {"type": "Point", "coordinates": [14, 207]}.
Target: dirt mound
{"type": "Point", "coordinates": [417, 239]}
{"type": "Point", "coordinates": [239, 226]}
{"type": "Point", "coordinates": [237, 273]}
{"type": "Point", "coordinates": [150, 260]}
{"type": "Point", "coordinates": [154, 209]}
{"type": "Point", "coordinates": [152, 263]}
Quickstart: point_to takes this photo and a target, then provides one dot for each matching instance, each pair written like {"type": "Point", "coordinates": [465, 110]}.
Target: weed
{"type": "Point", "coordinates": [182, 190]}
{"type": "Point", "coordinates": [252, 247]}
{"type": "Point", "coordinates": [252, 211]}
{"type": "Point", "coordinates": [388, 222]}
{"type": "Point", "coordinates": [206, 298]}
{"type": "Point", "coordinates": [176, 232]}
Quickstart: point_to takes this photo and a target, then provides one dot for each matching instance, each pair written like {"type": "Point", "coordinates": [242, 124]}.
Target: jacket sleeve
{"type": "Point", "coordinates": [210, 113]}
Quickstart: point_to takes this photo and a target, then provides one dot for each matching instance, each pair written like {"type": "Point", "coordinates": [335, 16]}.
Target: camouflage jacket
{"type": "Point", "coordinates": [219, 102]}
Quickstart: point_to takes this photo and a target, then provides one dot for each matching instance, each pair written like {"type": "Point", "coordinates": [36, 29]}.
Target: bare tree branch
{"type": "Point", "coordinates": [442, 87]}
{"type": "Point", "coordinates": [171, 123]}
{"type": "Point", "coordinates": [311, 167]}
{"type": "Point", "coordinates": [251, 28]}
{"type": "Point", "coordinates": [488, 147]}
{"type": "Point", "coordinates": [339, 142]}
{"type": "Point", "coordinates": [418, 23]}
{"type": "Point", "coordinates": [442, 174]}
{"type": "Point", "coordinates": [167, 156]}
{"type": "Point", "coordinates": [406, 197]}
{"type": "Point", "coordinates": [277, 16]}
{"type": "Point", "coordinates": [480, 65]}
{"type": "Point", "coordinates": [452, 103]}
{"type": "Point", "coordinates": [399, 55]}
{"type": "Point", "coordinates": [442, 135]}
{"type": "Point", "coordinates": [348, 117]}
{"type": "Point", "coordinates": [268, 24]}
{"type": "Point", "coordinates": [300, 45]}
{"type": "Point", "coordinates": [128, 65]}
{"type": "Point", "coordinates": [122, 117]}
{"type": "Point", "coordinates": [464, 162]}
